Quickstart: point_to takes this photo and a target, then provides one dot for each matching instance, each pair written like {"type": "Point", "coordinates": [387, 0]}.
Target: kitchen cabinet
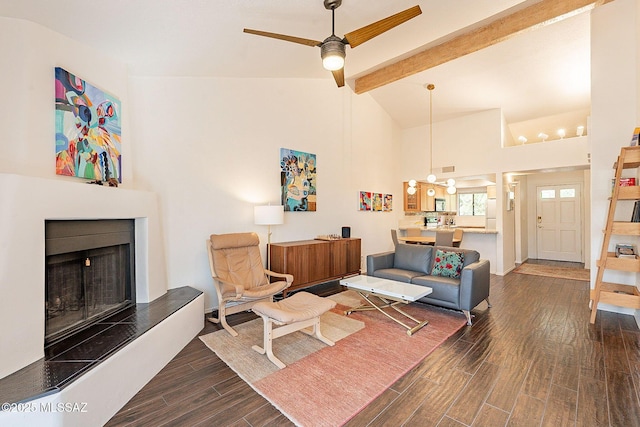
{"type": "Point", "coordinates": [412, 202]}
{"type": "Point", "coordinates": [421, 201]}
{"type": "Point", "coordinates": [316, 261]}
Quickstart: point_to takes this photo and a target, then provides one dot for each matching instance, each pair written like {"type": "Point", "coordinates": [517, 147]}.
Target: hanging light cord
{"type": "Point", "coordinates": [430, 87]}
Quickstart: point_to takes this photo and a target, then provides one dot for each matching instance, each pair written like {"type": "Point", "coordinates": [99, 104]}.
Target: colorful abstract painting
{"type": "Point", "coordinates": [88, 130]}
{"type": "Point", "coordinates": [365, 201]}
{"type": "Point", "coordinates": [298, 180]}
{"type": "Point", "coordinates": [377, 202]}
{"type": "Point", "coordinates": [388, 203]}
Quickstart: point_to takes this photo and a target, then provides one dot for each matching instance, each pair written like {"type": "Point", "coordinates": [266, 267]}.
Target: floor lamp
{"type": "Point", "coordinates": [268, 215]}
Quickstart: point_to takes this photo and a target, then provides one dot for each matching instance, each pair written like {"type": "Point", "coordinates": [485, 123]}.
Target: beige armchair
{"type": "Point", "coordinates": [238, 275]}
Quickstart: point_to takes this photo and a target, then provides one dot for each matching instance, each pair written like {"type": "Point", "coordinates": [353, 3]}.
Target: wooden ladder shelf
{"type": "Point", "coordinates": [621, 295]}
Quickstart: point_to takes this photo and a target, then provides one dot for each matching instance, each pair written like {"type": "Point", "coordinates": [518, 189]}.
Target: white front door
{"type": "Point", "coordinates": [559, 222]}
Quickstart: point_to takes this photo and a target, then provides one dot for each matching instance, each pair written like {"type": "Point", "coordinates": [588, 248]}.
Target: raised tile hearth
{"type": "Point", "coordinates": [68, 360]}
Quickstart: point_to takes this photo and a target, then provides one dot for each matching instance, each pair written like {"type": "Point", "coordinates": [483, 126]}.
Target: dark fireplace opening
{"type": "Point", "coordinates": [89, 273]}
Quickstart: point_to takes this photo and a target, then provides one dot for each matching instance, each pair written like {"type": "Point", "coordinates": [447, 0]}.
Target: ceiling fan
{"type": "Point", "coordinates": [333, 48]}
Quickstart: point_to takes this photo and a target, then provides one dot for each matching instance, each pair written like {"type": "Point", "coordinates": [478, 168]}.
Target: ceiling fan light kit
{"type": "Point", "coordinates": [333, 48]}
{"type": "Point", "coordinates": [332, 53]}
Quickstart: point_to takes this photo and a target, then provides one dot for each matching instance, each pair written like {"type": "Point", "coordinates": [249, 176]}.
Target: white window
{"type": "Point", "coordinates": [548, 194]}
{"type": "Point", "coordinates": [567, 193]}
{"type": "Point", "coordinates": [472, 204]}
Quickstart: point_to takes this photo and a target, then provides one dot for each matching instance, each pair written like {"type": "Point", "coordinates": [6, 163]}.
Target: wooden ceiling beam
{"type": "Point", "coordinates": [540, 14]}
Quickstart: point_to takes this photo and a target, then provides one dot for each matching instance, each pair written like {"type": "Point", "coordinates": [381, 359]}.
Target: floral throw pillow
{"type": "Point", "coordinates": [448, 264]}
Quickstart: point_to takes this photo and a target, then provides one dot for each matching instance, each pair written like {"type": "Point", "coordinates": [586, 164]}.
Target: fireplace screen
{"type": "Point", "coordinates": [86, 285]}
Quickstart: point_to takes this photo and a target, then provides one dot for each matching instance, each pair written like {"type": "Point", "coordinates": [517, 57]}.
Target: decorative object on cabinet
{"type": "Point", "coordinates": [316, 261]}
{"type": "Point", "coordinates": [618, 294]}
{"type": "Point", "coordinates": [88, 130]}
{"type": "Point", "coordinates": [298, 172]}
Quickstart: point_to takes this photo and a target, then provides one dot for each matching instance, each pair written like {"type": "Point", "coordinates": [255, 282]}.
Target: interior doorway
{"type": "Point", "coordinates": [559, 222]}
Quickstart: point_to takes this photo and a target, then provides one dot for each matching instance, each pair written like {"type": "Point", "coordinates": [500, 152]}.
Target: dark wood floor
{"type": "Point", "coordinates": [533, 359]}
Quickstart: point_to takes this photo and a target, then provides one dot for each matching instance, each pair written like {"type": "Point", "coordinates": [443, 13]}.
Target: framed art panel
{"type": "Point", "coordinates": [88, 130]}
{"type": "Point", "coordinates": [298, 180]}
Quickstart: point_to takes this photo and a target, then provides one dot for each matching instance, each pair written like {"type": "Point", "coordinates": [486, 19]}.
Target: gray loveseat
{"type": "Point", "coordinates": [414, 264]}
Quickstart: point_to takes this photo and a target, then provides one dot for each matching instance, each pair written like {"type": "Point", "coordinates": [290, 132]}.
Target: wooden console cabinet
{"type": "Point", "coordinates": [315, 261]}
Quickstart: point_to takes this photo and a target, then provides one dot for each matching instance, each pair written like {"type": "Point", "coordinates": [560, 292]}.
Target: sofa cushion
{"type": "Point", "coordinates": [470, 255]}
{"type": "Point", "coordinates": [447, 264]}
{"type": "Point", "coordinates": [443, 289]}
{"type": "Point", "coordinates": [413, 258]}
{"type": "Point", "coordinates": [397, 274]}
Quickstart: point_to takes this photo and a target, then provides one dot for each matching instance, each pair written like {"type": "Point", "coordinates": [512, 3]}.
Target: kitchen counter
{"type": "Point", "coordinates": [477, 230]}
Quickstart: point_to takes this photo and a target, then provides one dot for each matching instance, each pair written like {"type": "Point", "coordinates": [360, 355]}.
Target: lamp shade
{"type": "Point", "coordinates": [268, 215]}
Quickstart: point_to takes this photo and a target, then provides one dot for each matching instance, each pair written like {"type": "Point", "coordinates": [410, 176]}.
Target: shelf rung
{"type": "Point", "coordinates": [631, 157]}
{"type": "Point", "coordinates": [626, 228]}
{"type": "Point", "coordinates": [620, 299]}
{"type": "Point", "coordinates": [629, 193]}
{"type": "Point", "coordinates": [618, 294]}
{"type": "Point", "coordinates": [623, 264]}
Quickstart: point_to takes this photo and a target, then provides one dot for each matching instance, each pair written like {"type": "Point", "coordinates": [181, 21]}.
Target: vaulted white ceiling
{"type": "Point", "coordinates": [544, 72]}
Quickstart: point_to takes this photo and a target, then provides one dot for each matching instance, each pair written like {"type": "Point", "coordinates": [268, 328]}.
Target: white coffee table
{"type": "Point", "coordinates": [391, 293]}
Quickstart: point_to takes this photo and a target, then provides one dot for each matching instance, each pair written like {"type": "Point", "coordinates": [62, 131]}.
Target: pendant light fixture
{"type": "Point", "coordinates": [431, 178]}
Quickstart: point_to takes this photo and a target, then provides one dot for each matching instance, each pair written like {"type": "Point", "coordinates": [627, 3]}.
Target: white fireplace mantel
{"type": "Point", "coordinates": [26, 202]}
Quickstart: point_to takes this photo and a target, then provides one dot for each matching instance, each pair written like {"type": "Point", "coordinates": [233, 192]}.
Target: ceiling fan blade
{"type": "Point", "coordinates": [338, 76]}
{"type": "Point", "coordinates": [359, 36]}
{"type": "Point", "coordinates": [299, 40]}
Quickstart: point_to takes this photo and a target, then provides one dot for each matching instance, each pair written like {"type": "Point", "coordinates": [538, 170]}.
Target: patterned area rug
{"type": "Point", "coordinates": [551, 271]}
{"type": "Point", "coordinates": [327, 386]}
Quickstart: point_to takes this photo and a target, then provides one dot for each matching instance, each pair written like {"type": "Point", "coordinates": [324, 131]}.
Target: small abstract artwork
{"type": "Point", "coordinates": [365, 201]}
{"type": "Point", "coordinates": [377, 202]}
{"type": "Point", "coordinates": [387, 204]}
{"type": "Point", "coordinates": [88, 130]}
{"type": "Point", "coordinates": [298, 180]}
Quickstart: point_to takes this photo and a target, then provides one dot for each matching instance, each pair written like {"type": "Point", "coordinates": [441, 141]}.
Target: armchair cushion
{"type": "Point", "coordinates": [265, 290]}
{"type": "Point", "coordinates": [236, 257]}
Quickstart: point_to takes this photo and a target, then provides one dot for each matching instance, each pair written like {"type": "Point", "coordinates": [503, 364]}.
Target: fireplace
{"type": "Point", "coordinates": [89, 273]}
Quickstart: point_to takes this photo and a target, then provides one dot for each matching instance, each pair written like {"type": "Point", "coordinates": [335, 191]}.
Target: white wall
{"type": "Point", "coordinates": [210, 148]}
{"type": "Point", "coordinates": [615, 49]}
{"type": "Point", "coordinates": [30, 54]}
